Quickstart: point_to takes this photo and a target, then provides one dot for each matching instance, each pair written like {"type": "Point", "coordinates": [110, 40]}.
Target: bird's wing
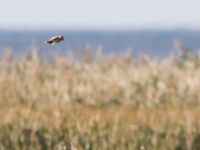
{"type": "Point", "coordinates": [54, 38]}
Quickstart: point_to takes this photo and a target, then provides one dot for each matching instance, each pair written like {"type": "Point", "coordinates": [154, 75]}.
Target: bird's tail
{"type": "Point", "coordinates": [49, 42]}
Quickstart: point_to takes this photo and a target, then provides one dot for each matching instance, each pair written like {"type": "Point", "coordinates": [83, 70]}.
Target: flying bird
{"type": "Point", "coordinates": [55, 39]}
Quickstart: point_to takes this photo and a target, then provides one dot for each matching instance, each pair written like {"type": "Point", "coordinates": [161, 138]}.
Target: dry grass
{"type": "Point", "coordinates": [99, 102]}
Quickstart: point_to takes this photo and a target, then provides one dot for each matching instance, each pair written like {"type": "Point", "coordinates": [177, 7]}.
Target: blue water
{"type": "Point", "coordinates": [156, 43]}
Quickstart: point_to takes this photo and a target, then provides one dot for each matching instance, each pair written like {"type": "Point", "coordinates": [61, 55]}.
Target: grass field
{"type": "Point", "coordinates": [99, 103]}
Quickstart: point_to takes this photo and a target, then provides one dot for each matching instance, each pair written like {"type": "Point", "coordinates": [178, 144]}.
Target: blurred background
{"type": "Point", "coordinates": [108, 99]}
{"type": "Point", "coordinates": [115, 26]}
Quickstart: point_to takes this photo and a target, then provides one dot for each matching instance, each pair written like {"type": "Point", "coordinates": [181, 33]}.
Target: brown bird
{"type": "Point", "coordinates": [55, 39]}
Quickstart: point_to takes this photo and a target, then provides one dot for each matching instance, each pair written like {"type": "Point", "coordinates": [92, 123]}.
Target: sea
{"type": "Point", "coordinates": [155, 43]}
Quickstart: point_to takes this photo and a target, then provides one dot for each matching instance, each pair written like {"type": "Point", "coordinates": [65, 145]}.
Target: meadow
{"type": "Point", "coordinates": [113, 102]}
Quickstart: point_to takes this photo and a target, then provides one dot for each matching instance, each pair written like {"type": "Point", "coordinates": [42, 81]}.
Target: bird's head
{"type": "Point", "coordinates": [61, 37]}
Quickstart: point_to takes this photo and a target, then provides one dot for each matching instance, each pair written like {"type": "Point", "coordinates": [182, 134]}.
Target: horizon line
{"type": "Point", "coordinates": [52, 26]}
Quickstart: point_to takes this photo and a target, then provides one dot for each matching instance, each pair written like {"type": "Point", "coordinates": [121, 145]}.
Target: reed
{"type": "Point", "coordinates": [99, 102]}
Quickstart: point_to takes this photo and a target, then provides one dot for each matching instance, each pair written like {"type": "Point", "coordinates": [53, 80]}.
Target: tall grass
{"type": "Point", "coordinates": [99, 102]}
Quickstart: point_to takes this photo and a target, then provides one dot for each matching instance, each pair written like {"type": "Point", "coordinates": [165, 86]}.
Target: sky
{"type": "Point", "coordinates": [100, 13]}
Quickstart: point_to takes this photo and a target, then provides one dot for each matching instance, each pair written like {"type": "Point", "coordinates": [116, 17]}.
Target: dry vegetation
{"type": "Point", "coordinates": [99, 103]}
